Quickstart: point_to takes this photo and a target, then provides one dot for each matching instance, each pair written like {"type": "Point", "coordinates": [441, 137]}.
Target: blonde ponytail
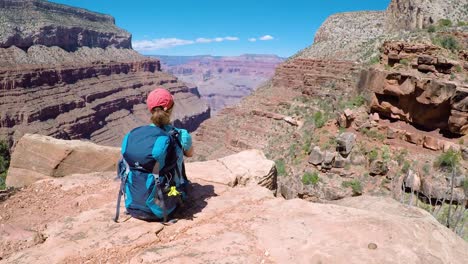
{"type": "Point", "coordinates": [159, 117]}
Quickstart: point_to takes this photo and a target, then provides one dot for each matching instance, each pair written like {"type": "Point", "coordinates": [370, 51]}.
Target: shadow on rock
{"type": "Point", "coordinates": [197, 200]}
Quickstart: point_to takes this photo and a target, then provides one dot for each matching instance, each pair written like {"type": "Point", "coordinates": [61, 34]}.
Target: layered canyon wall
{"type": "Point", "coordinates": [25, 23]}
{"type": "Point", "coordinates": [71, 87]}
{"type": "Point", "coordinates": [343, 45]}
{"type": "Point", "coordinates": [222, 81]}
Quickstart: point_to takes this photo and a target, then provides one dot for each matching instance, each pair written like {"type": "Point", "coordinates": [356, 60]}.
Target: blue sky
{"type": "Point", "coordinates": [225, 28]}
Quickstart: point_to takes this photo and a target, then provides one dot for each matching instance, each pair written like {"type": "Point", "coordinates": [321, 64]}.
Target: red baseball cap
{"type": "Point", "coordinates": [159, 97]}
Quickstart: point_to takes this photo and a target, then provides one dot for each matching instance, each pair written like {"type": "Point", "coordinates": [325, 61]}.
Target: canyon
{"type": "Point", "coordinates": [395, 89]}
{"type": "Point", "coordinates": [222, 81]}
{"type": "Point", "coordinates": [356, 148]}
{"type": "Point", "coordinates": [72, 74]}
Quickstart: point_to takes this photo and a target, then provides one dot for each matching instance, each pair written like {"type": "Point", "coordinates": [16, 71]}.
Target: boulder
{"type": "Point", "coordinates": [458, 179]}
{"type": "Point", "coordinates": [414, 138]}
{"type": "Point", "coordinates": [426, 68]}
{"type": "Point", "coordinates": [38, 157]}
{"type": "Point", "coordinates": [316, 156]}
{"type": "Point", "coordinates": [340, 162]}
{"type": "Point", "coordinates": [358, 159]}
{"type": "Point", "coordinates": [437, 188]}
{"type": "Point", "coordinates": [375, 117]}
{"type": "Point", "coordinates": [345, 143]}
{"type": "Point", "coordinates": [328, 160]}
{"type": "Point", "coordinates": [412, 181]}
{"type": "Point", "coordinates": [378, 167]}
{"type": "Point", "coordinates": [244, 168]}
{"type": "Point", "coordinates": [450, 145]}
{"type": "Point", "coordinates": [464, 152]}
{"type": "Point", "coordinates": [427, 59]}
{"type": "Point", "coordinates": [431, 143]}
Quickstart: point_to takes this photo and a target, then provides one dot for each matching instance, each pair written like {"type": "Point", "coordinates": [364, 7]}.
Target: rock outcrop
{"type": "Point", "coordinates": [39, 157]}
{"type": "Point", "coordinates": [356, 36]}
{"type": "Point", "coordinates": [418, 14]}
{"type": "Point", "coordinates": [69, 219]}
{"type": "Point", "coordinates": [93, 91]}
{"type": "Point", "coordinates": [25, 23]}
{"type": "Point", "coordinates": [430, 101]}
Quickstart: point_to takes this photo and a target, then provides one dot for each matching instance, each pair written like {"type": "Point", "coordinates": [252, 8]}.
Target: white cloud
{"type": "Point", "coordinates": [163, 43]}
{"type": "Point", "coordinates": [231, 38]}
{"type": "Point", "coordinates": [155, 44]}
{"type": "Point", "coordinates": [203, 40]}
{"type": "Point", "coordinates": [266, 37]}
{"type": "Point", "coordinates": [252, 39]}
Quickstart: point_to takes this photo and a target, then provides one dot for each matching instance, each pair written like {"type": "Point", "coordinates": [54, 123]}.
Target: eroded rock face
{"type": "Point", "coordinates": [38, 22]}
{"type": "Point", "coordinates": [241, 127]}
{"type": "Point", "coordinates": [429, 101]}
{"type": "Point", "coordinates": [418, 14]}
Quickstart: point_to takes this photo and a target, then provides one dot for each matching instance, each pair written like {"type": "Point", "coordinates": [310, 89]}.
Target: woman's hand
{"type": "Point", "coordinates": [188, 153]}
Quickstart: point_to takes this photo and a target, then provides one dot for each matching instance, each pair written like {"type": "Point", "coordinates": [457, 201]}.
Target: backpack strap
{"type": "Point", "coordinates": [122, 173]}
{"type": "Point", "coordinates": [161, 199]}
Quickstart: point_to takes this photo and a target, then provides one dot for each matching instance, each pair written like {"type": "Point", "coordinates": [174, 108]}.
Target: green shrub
{"type": "Point", "coordinates": [292, 150]}
{"type": "Point", "coordinates": [319, 119]}
{"type": "Point", "coordinates": [4, 162]}
{"type": "Point", "coordinates": [465, 186]}
{"type": "Point", "coordinates": [445, 23]}
{"type": "Point", "coordinates": [450, 43]}
{"type": "Point", "coordinates": [406, 167]}
{"type": "Point", "coordinates": [355, 102]}
{"type": "Point", "coordinates": [462, 24]}
{"type": "Point", "coordinates": [448, 160]}
{"type": "Point", "coordinates": [373, 154]}
{"type": "Point", "coordinates": [458, 68]}
{"type": "Point", "coordinates": [400, 157]}
{"type": "Point", "coordinates": [404, 62]}
{"type": "Point", "coordinates": [280, 167]}
{"type": "Point", "coordinates": [306, 146]}
{"type": "Point", "coordinates": [426, 169]}
{"type": "Point", "coordinates": [431, 29]}
{"type": "Point", "coordinates": [372, 134]}
{"type": "Point", "coordinates": [2, 180]}
{"type": "Point", "coordinates": [374, 60]}
{"type": "Point", "coordinates": [385, 153]}
{"type": "Point", "coordinates": [310, 178]}
{"type": "Point", "coordinates": [355, 186]}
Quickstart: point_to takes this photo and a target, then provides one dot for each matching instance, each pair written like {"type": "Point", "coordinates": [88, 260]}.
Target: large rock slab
{"type": "Point", "coordinates": [69, 220]}
{"type": "Point", "coordinates": [246, 167]}
{"type": "Point", "coordinates": [38, 157]}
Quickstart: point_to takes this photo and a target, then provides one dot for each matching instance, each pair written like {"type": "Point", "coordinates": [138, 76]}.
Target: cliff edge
{"type": "Point", "coordinates": [221, 222]}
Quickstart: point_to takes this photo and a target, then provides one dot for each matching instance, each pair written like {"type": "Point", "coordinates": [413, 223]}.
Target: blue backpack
{"type": "Point", "coordinates": [152, 180]}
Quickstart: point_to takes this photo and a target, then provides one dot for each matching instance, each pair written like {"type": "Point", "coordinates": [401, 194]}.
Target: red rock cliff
{"type": "Point", "coordinates": [73, 88]}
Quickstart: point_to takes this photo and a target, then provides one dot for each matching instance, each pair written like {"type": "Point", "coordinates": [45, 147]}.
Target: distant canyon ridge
{"type": "Point", "coordinates": [222, 81]}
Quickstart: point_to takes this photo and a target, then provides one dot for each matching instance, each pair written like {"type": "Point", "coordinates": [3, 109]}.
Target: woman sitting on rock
{"type": "Point", "coordinates": [152, 168]}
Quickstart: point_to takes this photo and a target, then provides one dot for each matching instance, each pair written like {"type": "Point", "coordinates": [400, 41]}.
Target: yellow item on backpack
{"type": "Point", "coordinates": [173, 191]}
